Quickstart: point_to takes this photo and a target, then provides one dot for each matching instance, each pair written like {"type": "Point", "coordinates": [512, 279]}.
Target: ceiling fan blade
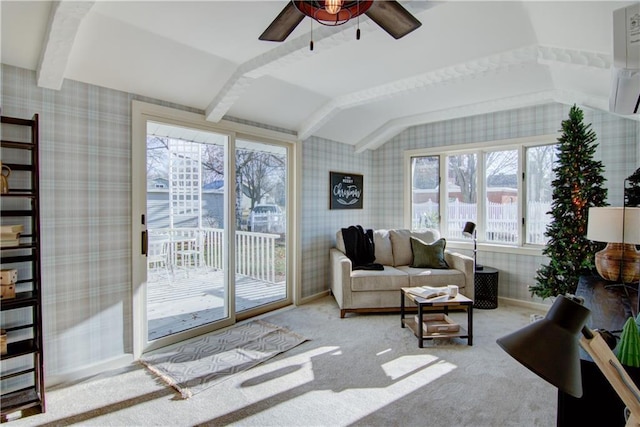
{"type": "Point", "coordinates": [393, 18]}
{"type": "Point", "coordinates": [283, 25]}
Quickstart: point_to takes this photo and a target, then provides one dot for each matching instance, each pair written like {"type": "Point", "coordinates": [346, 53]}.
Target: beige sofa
{"type": "Point", "coordinates": [379, 290]}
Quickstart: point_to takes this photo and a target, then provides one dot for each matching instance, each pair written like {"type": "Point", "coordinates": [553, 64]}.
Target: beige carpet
{"type": "Point", "coordinates": [199, 363]}
{"type": "Point", "coordinates": [363, 370]}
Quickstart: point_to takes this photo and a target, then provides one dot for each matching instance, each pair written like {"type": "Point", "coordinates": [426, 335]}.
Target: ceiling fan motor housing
{"type": "Point", "coordinates": [317, 11]}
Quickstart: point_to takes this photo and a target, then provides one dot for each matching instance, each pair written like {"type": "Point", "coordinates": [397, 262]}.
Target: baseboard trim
{"type": "Point", "coordinates": [314, 297]}
{"type": "Point", "coordinates": [526, 304]}
{"type": "Point", "coordinates": [83, 373]}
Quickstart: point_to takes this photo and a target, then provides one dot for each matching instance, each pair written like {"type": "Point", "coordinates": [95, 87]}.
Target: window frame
{"type": "Point", "coordinates": [480, 149]}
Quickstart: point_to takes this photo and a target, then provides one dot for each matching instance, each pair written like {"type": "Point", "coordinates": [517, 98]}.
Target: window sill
{"type": "Point", "coordinates": [497, 248]}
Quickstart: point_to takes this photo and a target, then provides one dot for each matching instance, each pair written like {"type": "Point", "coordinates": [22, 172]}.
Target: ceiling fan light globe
{"type": "Point", "coordinates": [333, 6]}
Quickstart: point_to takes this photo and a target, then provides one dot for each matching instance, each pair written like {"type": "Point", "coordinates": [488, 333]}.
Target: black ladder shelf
{"type": "Point", "coordinates": [21, 375]}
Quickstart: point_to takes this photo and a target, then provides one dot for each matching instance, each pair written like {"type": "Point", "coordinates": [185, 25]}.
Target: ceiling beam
{"type": "Point", "coordinates": [288, 52]}
{"type": "Point", "coordinates": [494, 63]}
{"type": "Point", "coordinates": [64, 20]}
{"type": "Point", "coordinates": [294, 50]}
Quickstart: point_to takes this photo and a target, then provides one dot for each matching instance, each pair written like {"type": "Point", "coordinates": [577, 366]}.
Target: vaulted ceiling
{"type": "Point", "coordinates": [467, 58]}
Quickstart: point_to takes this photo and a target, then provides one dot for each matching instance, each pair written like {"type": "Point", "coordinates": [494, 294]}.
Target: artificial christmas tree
{"type": "Point", "coordinates": [578, 185]}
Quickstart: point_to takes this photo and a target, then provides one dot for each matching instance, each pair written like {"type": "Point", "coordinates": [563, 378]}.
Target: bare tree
{"type": "Point", "coordinates": [157, 157]}
{"type": "Point", "coordinates": [540, 161]}
{"type": "Point", "coordinates": [463, 167]}
{"type": "Point", "coordinates": [213, 162]}
{"type": "Point", "coordinates": [501, 163]}
{"type": "Point", "coordinates": [426, 170]}
{"type": "Point", "coordinates": [258, 173]}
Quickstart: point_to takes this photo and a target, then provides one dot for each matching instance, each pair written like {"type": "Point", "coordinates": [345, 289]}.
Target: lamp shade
{"type": "Point", "coordinates": [550, 347]}
{"type": "Point", "coordinates": [632, 225]}
{"type": "Point", "coordinates": [605, 224]}
{"type": "Point", "coordinates": [468, 229]}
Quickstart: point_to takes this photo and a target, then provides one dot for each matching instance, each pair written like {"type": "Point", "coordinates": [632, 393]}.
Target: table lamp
{"type": "Point", "coordinates": [619, 227]}
{"type": "Point", "coordinates": [470, 231]}
{"type": "Point", "coordinates": [549, 348]}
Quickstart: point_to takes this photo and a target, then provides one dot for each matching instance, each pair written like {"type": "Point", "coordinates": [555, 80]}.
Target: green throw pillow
{"type": "Point", "coordinates": [427, 255]}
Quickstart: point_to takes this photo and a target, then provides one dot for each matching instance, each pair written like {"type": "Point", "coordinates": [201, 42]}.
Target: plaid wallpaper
{"type": "Point", "coordinates": [319, 223]}
{"type": "Point", "coordinates": [85, 181]}
{"type": "Point", "coordinates": [618, 140]}
{"type": "Point", "coordinates": [85, 157]}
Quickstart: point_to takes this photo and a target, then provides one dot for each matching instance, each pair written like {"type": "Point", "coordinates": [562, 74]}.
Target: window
{"type": "Point", "coordinates": [425, 192]}
{"type": "Point", "coordinates": [501, 183]}
{"type": "Point", "coordinates": [462, 192]}
{"type": "Point", "coordinates": [504, 187]}
{"type": "Point", "coordinates": [539, 175]}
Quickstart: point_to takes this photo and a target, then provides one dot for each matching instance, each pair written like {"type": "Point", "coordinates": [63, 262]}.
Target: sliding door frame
{"type": "Point", "coordinates": [142, 113]}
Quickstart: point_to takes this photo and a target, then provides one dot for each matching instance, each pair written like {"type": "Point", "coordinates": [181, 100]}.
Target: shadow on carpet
{"type": "Point", "coordinates": [197, 364]}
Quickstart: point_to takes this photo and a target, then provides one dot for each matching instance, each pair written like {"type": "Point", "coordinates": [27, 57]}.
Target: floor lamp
{"type": "Point", "coordinates": [470, 231]}
{"type": "Point", "coordinates": [619, 261]}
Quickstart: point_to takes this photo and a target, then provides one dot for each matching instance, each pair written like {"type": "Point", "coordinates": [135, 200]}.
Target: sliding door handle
{"type": "Point", "coordinates": [145, 243]}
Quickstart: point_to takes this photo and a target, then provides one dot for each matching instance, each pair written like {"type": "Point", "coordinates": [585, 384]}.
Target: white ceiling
{"type": "Point", "coordinates": [466, 58]}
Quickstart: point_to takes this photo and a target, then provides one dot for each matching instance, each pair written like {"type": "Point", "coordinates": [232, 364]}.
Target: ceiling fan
{"type": "Point", "coordinates": [388, 14]}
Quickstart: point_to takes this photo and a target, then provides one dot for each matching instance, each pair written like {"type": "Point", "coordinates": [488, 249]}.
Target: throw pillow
{"type": "Point", "coordinates": [382, 242]}
{"type": "Point", "coordinates": [401, 247]}
{"type": "Point", "coordinates": [428, 255]}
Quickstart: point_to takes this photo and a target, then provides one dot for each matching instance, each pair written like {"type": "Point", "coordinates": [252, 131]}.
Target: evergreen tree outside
{"type": "Point", "coordinates": [578, 185]}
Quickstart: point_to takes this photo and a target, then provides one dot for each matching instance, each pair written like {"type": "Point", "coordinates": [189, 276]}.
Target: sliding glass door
{"type": "Point", "coordinates": [186, 197]}
{"type": "Point", "coordinates": [261, 225]}
{"type": "Point", "coordinates": [212, 211]}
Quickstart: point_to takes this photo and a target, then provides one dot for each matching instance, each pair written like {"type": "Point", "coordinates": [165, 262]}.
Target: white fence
{"type": "Point", "coordinates": [503, 224]}
{"type": "Point", "coordinates": [203, 247]}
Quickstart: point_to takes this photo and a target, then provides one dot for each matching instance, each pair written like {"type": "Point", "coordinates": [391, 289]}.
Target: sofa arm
{"type": "Point", "coordinates": [465, 264]}
{"type": "Point", "coordinates": [340, 266]}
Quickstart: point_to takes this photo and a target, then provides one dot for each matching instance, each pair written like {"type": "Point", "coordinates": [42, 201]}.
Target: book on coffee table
{"type": "Point", "coordinates": [430, 293]}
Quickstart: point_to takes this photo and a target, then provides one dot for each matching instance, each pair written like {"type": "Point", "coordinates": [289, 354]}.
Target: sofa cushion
{"type": "Point", "coordinates": [428, 255]}
{"type": "Point", "coordinates": [373, 280]}
{"type": "Point", "coordinates": [382, 242]}
{"type": "Point", "coordinates": [433, 277]}
{"type": "Point", "coordinates": [401, 245]}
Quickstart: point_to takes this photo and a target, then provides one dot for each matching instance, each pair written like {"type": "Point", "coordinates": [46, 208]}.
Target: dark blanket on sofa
{"type": "Point", "coordinates": [359, 248]}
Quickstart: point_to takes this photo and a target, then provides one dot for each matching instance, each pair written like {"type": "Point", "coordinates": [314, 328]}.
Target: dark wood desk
{"type": "Point", "coordinates": [610, 307]}
{"type": "Point", "coordinates": [599, 404]}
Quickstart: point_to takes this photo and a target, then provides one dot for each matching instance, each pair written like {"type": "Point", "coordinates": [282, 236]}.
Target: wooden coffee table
{"type": "Point", "coordinates": [458, 302]}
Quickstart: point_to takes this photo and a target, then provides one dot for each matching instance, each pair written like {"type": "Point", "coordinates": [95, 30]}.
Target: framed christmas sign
{"type": "Point", "coordinates": [345, 190]}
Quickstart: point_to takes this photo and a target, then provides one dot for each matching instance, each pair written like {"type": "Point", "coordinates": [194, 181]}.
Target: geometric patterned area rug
{"type": "Point", "coordinates": [199, 363]}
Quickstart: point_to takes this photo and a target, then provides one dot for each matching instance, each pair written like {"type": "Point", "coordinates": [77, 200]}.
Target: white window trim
{"type": "Point", "coordinates": [479, 147]}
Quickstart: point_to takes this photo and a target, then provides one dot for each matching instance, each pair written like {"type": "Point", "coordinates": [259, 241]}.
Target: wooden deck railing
{"type": "Point", "coordinates": [255, 252]}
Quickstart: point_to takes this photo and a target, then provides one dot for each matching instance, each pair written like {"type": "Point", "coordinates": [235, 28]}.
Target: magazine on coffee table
{"type": "Point", "coordinates": [430, 293]}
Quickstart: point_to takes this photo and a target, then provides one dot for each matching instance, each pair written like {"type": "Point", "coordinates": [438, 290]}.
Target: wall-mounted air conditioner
{"type": "Point", "coordinates": [625, 87]}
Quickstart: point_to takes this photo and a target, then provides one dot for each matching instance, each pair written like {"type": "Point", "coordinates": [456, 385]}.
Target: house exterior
{"type": "Point", "coordinates": [158, 206]}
